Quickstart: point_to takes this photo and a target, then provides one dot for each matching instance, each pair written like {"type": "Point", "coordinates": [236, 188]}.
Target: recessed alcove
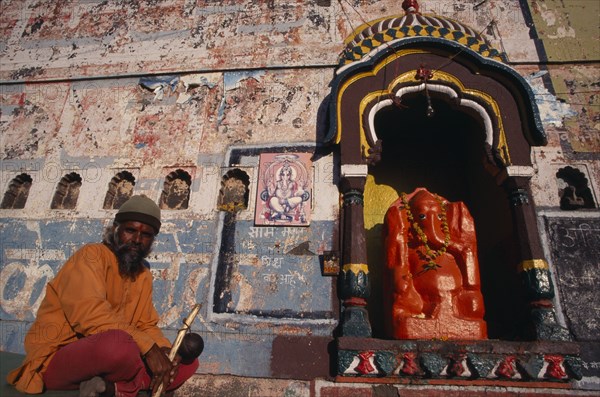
{"type": "Point", "coordinates": [176, 190]}
{"type": "Point", "coordinates": [16, 195]}
{"type": "Point", "coordinates": [445, 154]}
{"type": "Point", "coordinates": [119, 190]}
{"type": "Point", "coordinates": [476, 149]}
{"type": "Point", "coordinates": [574, 191]}
{"type": "Point", "coordinates": [234, 192]}
{"type": "Point", "coordinates": [67, 192]}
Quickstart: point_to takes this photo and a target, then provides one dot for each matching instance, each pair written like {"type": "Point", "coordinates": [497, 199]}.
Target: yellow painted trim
{"type": "Point", "coordinates": [488, 99]}
{"type": "Point", "coordinates": [369, 24]}
{"type": "Point", "coordinates": [364, 142]}
{"type": "Point", "coordinates": [533, 264]}
{"type": "Point", "coordinates": [360, 76]}
{"type": "Point", "coordinates": [374, 22]}
{"type": "Point", "coordinates": [356, 267]}
{"type": "Point", "coordinates": [404, 77]}
{"type": "Point", "coordinates": [410, 76]}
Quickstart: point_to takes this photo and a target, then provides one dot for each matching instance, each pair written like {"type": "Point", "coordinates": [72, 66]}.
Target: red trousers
{"type": "Point", "coordinates": [114, 356]}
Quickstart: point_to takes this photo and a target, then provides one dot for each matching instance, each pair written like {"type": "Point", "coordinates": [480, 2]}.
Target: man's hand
{"type": "Point", "coordinates": [163, 371]}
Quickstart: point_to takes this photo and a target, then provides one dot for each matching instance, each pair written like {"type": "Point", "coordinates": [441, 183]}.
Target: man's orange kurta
{"type": "Point", "coordinates": [87, 296]}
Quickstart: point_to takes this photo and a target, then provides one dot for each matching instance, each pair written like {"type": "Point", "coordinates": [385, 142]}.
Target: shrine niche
{"type": "Point", "coordinates": [424, 104]}
{"type": "Point", "coordinates": [431, 274]}
{"type": "Point", "coordinates": [574, 191]}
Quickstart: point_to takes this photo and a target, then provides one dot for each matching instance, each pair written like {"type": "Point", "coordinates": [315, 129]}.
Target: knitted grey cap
{"type": "Point", "coordinates": [140, 209]}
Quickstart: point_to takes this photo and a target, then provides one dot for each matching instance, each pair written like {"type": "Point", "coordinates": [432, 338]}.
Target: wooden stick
{"type": "Point", "coordinates": [187, 323]}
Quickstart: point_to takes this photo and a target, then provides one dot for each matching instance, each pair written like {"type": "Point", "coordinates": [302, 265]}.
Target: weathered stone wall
{"type": "Point", "coordinates": [70, 38]}
{"type": "Point", "coordinates": [151, 87]}
{"type": "Point", "coordinates": [568, 34]}
{"type": "Point", "coordinates": [97, 128]}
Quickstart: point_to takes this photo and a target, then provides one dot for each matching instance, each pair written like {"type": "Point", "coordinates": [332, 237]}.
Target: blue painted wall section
{"type": "Point", "coordinates": [279, 262]}
{"type": "Point", "coordinates": [275, 282]}
{"type": "Point", "coordinates": [32, 253]}
{"type": "Point", "coordinates": [180, 264]}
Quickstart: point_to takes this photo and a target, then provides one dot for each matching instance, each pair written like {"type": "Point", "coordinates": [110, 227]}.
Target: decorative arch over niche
{"type": "Point", "coordinates": [486, 89]}
{"type": "Point", "coordinates": [386, 64]}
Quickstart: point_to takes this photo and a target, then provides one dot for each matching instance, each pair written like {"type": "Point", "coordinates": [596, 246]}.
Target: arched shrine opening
{"type": "Point", "coordinates": [445, 153]}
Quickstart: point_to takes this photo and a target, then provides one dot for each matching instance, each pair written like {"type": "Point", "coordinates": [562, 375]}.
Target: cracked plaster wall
{"type": "Point", "coordinates": [51, 39]}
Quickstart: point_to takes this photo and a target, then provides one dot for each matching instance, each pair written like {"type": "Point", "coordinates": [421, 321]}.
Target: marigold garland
{"type": "Point", "coordinates": [429, 254]}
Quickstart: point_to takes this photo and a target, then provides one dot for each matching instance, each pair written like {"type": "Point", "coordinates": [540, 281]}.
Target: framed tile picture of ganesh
{"type": "Point", "coordinates": [284, 194]}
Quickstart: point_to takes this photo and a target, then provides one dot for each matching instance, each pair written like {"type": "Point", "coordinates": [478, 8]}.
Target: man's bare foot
{"type": "Point", "coordinates": [96, 387]}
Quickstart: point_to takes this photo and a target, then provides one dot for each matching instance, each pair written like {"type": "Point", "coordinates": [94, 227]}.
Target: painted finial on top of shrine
{"type": "Point", "coordinates": [410, 6]}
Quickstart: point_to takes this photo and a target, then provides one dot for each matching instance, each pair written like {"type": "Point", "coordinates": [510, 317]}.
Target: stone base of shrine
{"type": "Point", "coordinates": [449, 326]}
{"type": "Point", "coordinates": [236, 386]}
{"type": "Point", "coordinates": [484, 361]}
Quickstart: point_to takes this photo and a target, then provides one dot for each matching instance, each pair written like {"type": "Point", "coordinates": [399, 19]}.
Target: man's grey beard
{"type": "Point", "coordinates": [130, 256]}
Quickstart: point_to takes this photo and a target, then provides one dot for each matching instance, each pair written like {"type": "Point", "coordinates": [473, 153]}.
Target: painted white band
{"type": "Point", "coordinates": [485, 117]}
{"type": "Point", "coordinates": [354, 170]}
{"type": "Point", "coordinates": [520, 170]}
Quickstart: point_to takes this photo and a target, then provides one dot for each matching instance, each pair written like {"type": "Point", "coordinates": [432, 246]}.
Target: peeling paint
{"type": "Point", "coordinates": [71, 39]}
{"type": "Point", "coordinates": [192, 81]}
{"type": "Point", "coordinates": [569, 29]}
{"type": "Point", "coordinates": [231, 81]}
{"type": "Point", "coordinates": [553, 111]}
{"type": "Point", "coordinates": [579, 86]}
{"type": "Point", "coordinates": [279, 28]}
{"type": "Point", "coordinates": [159, 84]}
{"type": "Point", "coordinates": [555, 20]}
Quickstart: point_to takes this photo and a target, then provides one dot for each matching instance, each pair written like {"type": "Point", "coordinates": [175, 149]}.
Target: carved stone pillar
{"type": "Point", "coordinates": [533, 268]}
{"type": "Point", "coordinates": [354, 286]}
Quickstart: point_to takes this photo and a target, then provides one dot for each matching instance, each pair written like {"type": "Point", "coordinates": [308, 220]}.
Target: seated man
{"type": "Point", "coordinates": [96, 329]}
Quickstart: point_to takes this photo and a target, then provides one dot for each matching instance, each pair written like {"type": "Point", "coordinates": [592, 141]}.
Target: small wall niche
{"type": "Point", "coordinates": [120, 189]}
{"type": "Point", "coordinates": [67, 192]}
{"type": "Point", "coordinates": [234, 192]}
{"type": "Point", "coordinates": [573, 190]}
{"type": "Point", "coordinates": [176, 191]}
{"type": "Point", "coordinates": [16, 195]}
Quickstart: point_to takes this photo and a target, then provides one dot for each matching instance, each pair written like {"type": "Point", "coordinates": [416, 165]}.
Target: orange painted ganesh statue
{"type": "Point", "coordinates": [431, 278]}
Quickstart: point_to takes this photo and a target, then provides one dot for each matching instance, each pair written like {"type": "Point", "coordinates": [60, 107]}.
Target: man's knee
{"type": "Point", "coordinates": [114, 345]}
